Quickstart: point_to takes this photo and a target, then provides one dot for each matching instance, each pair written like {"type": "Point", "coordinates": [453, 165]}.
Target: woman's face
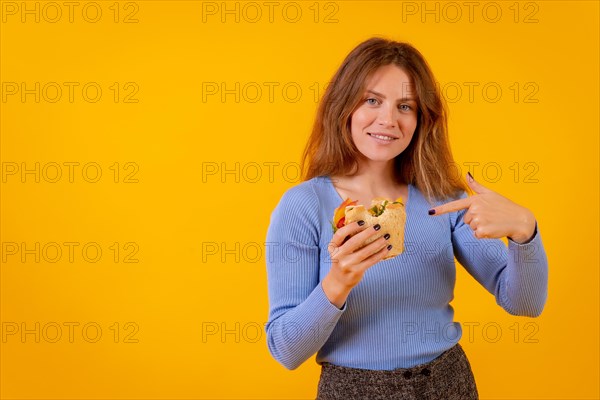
{"type": "Point", "coordinates": [388, 109]}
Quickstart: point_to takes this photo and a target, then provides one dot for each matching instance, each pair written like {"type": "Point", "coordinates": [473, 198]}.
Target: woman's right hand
{"type": "Point", "coordinates": [349, 262]}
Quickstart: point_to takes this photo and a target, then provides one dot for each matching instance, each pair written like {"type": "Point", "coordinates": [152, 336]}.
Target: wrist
{"type": "Point", "coordinates": [526, 231]}
{"type": "Point", "coordinates": [335, 292]}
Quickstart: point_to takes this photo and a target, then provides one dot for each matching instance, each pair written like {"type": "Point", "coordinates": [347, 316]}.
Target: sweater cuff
{"type": "Point", "coordinates": [526, 252]}
{"type": "Point", "coordinates": [323, 300]}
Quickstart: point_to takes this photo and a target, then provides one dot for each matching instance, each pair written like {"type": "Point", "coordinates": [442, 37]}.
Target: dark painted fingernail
{"type": "Point", "coordinates": [389, 247]}
{"type": "Point", "coordinates": [377, 227]}
{"type": "Point", "coordinates": [470, 176]}
{"type": "Point", "coordinates": [431, 212]}
{"type": "Point", "coordinates": [386, 236]}
{"type": "Point", "coordinates": [361, 222]}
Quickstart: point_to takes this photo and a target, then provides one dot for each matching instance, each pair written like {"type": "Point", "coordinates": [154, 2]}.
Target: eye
{"type": "Point", "coordinates": [408, 108]}
{"type": "Point", "coordinates": [371, 98]}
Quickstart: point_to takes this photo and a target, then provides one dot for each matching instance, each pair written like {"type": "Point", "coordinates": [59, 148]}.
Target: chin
{"type": "Point", "coordinates": [380, 157]}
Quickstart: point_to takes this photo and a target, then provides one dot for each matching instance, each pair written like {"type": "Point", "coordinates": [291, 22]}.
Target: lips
{"type": "Point", "coordinates": [382, 136]}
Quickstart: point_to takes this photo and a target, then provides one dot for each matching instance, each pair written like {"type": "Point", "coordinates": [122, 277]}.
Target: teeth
{"type": "Point", "coordinates": [381, 137]}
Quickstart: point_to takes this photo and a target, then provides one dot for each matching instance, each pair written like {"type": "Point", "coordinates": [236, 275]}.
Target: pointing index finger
{"type": "Point", "coordinates": [451, 206]}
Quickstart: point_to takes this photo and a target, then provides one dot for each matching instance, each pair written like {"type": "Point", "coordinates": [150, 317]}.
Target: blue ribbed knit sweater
{"type": "Point", "coordinates": [399, 315]}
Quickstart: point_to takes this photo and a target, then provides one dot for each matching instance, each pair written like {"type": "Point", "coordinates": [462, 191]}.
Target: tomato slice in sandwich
{"type": "Point", "coordinates": [339, 216]}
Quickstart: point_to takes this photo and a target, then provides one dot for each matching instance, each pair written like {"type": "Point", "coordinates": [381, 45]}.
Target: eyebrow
{"type": "Point", "coordinates": [381, 95]}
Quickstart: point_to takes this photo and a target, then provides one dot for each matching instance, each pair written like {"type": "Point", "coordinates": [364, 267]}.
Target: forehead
{"type": "Point", "coordinates": [391, 80]}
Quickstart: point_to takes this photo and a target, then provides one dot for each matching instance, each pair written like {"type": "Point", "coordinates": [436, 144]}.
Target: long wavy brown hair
{"type": "Point", "coordinates": [426, 163]}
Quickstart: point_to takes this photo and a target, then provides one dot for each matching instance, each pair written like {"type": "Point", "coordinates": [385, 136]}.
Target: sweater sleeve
{"type": "Point", "coordinates": [301, 317]}
{"type": "Point", "coordinates": [517, 276]}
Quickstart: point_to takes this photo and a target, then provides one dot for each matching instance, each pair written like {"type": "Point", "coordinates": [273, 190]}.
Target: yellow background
{"type": "Point", "coordinates": [170, 307]}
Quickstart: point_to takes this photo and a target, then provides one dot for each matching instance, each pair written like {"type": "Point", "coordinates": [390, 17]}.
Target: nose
{"type": "Point", "coordinates": [386, 117]}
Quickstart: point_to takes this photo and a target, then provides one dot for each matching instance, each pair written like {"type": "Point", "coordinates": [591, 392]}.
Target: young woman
{"type": "Point", "coordinates": [384, 329]}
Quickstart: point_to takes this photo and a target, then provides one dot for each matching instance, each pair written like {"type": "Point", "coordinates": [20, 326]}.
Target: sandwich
{"type": "Point", "coordinates": [391, 215]}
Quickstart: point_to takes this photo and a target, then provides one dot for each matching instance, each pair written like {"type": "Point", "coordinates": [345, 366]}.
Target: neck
{"type": "Point", "coordinates": [375, 176]}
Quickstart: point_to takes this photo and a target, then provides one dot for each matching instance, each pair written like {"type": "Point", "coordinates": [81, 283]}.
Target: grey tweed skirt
{"type": "Point", "coordinates": [447, 377]}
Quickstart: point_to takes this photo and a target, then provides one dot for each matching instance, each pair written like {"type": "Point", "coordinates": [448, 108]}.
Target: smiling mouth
{"type": "Point", "coordinates": [381, 137]}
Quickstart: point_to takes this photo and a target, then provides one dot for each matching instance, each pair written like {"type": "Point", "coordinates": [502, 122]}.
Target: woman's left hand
{"type": "Point", "coordinates": [492, 215]}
